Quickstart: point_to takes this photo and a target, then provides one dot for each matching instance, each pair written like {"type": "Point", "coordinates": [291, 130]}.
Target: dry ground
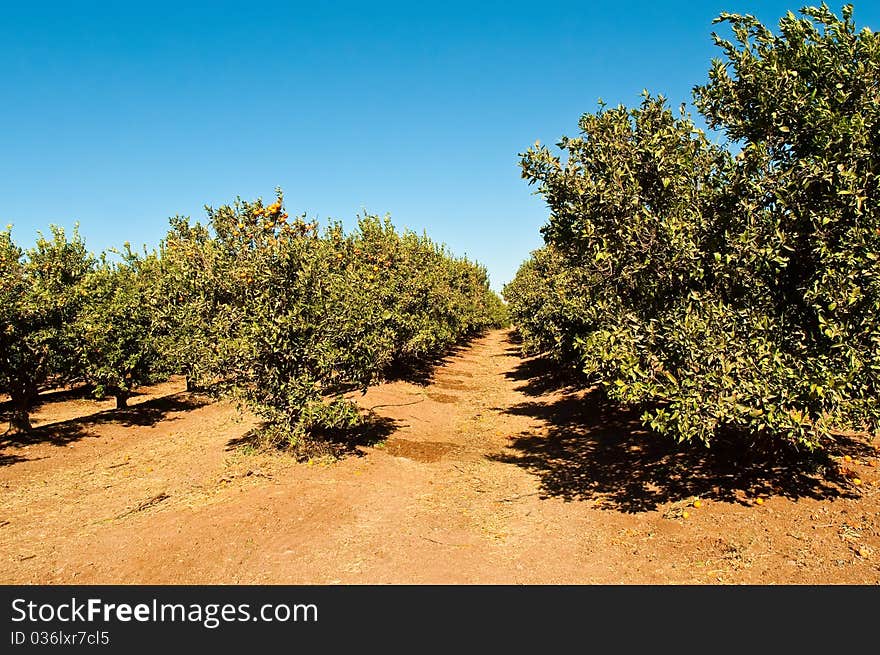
{"type": "Point", "coordinates": [493, 471]}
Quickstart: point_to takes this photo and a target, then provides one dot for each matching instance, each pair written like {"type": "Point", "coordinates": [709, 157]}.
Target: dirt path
{"type": "Point", "coordinates": [493, 472]}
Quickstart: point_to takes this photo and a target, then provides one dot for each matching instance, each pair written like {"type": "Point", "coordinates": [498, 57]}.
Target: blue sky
{"type": "Point", "coordinates": [119, 115]}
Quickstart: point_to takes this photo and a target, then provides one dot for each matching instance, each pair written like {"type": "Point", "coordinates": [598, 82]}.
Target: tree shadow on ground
{"type": "Point", "coordinates": [7, 459]}
{"type": "Point", "coordinates": [59, 395]}
{"type": "Point", "coordinates": [339, 442]}
{"type": "Point", "coordinates": [591, 448]}
{"type": "Point", "coordinates": [422, 373]}
{"type": "Point", "coordinates": [52, 395]}
{"type": "Point", "coordinates": [145, 414]}
{"type": "Point", "coordinates": [540, 374]}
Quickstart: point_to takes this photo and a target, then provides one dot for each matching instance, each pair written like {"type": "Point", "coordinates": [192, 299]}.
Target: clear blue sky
{"type": "Point", "coordinates": [119, 115]}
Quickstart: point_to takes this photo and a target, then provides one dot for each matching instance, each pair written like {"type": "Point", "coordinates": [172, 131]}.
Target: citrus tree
{"type": "Point", "coordinates": [190, 302]}
{"type": "Point", "coordinates": [291, 318]}
{"type": "Point", "coordinates": [545, 304]}
{"type": "Point", "coordinates": [40, 297]}
{"type": "Point", "coordinates": [428, 299]}
{"type": "Point", "coordinates": [635, 217]}
{"type": "Point", "coordinates": [804, 106]}
{"type": "Point", "coordinates": [117, 343]}
{"type": "Point", "coordinates": [725, 293]}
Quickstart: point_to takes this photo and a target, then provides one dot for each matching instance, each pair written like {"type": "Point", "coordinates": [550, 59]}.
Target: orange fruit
{"type": "Point", "coordinates": [684, 515]}
{"type": "Point", "coordinates": [759, 501]}
{"type": "Point", "coordinates": [698, 503]}
{"type": "Point", "coordinates": [857, 481]}
{"type": "Point", "coordinates": [847, 458]}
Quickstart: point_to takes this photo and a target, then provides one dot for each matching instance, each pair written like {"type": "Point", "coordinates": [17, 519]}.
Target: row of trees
{"type": "Point", "coordinates": [725, 289]}
{"type": "Point", "coordinates": [274, 310]}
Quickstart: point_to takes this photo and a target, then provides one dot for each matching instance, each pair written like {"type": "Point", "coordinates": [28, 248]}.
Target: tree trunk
{"type": "Point", "coordinates": [190, 385]}
{"type": "Point", "coordinates": [20, 421]}
{"type": "Point", "coordinates": [121, 399]}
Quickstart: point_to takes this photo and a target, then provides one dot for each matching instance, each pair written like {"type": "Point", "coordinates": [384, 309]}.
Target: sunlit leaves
{"type": "Point", "coordinates": [291, 318]}
{"type": "Point", "coordinates": [39, 299]}
{"type": "Point", "coordinates": [727, 293]}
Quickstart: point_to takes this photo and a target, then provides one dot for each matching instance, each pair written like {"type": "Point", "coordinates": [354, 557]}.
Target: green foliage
{"type": "Point", "coordinates": [117, 347]}
{"type": "Point", "coordinates": [289, 318]}
{"type": "Point", "coordinates": [545, 304]}
{"type": "Point", "coordinates": [285, 316]}
{"type": "Point", "coordinates": [724, 293]}
{"type": "Point", "coordinates": [806, 107]}
{"type": "Point", "coordinates": [186, 317]}
{"type": "Point", "coordinates": [38, 301]}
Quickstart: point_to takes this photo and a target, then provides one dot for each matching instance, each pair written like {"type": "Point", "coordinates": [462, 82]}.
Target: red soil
{"type": "Point", "coordinates": [492, 472]}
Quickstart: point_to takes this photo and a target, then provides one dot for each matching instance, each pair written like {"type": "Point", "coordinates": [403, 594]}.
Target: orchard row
{"type": "Point", "coordinates": [728, 289]}
{"type": "Point", "coordinates": [275, 311]}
